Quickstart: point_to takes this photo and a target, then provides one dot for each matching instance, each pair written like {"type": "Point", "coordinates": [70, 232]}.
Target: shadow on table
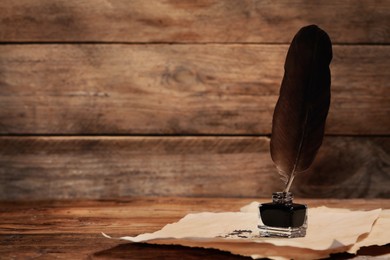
{"type": "Point", "coordinates": [147, 251]}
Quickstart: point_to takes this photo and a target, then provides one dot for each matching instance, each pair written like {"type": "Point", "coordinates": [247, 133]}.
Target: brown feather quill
{"type": "Point", "coordinates": [300, 113]}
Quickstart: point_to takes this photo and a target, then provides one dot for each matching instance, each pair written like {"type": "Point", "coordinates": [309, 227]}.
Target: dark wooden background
{"type": "Point", "coordinates": [105, 99]}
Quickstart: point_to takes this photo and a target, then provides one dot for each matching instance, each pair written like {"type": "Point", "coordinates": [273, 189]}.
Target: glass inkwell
{"type": "Point", "coordinates": [282, 217]}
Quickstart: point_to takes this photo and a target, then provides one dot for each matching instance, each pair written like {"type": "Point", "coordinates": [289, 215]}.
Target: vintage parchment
{"type": "Point", "coordinates": [330, 230]}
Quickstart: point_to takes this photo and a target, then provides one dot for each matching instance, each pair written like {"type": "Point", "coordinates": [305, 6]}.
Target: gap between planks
{"type": "Point", "coordinates": [177, 43]}
{"type": "Point", "coordinates": [113, 135]}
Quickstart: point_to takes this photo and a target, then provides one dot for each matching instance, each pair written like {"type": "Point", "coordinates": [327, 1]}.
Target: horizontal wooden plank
{"type": "Point", "coordinates": [81, 246]}
{"type": "Point", "coordinates": [177, 89]}
{"type": "Point", "coordinates": [362, 21]}
{"type": "Point", "coordinates": [146, 214]}
{"type": "Point", "coordinates": [71, 229]}
{"type": "Point", "coordinates": [112, 167]}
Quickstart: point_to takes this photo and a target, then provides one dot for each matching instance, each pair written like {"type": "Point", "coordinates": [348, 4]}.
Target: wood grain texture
{"type": "Point", "coordinates": [362, 21]}
{"type": "Point", "coordinates": [71, 229]}
{"type": "Point", "coordinates": [86, 246]}
{"type": "Point", "coordinates": [177, 89]}
{"type": "Point", "coordinates": [127, 216]}
{"type": "Point", "coordinates": [36, 168]}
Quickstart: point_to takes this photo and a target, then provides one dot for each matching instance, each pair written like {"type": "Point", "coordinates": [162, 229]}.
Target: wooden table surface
{"type": "Point", "coordinates": [72, 229]}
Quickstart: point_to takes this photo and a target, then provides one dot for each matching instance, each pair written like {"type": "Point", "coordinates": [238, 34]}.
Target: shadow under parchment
{"type": "Point", "coordinates": [148, 251]}
{"type": "Point", "coordinates": [156, 251]}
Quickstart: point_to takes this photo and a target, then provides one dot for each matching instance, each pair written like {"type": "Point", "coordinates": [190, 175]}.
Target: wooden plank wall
{"type": "Point", "coordinates": [105, 99]}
